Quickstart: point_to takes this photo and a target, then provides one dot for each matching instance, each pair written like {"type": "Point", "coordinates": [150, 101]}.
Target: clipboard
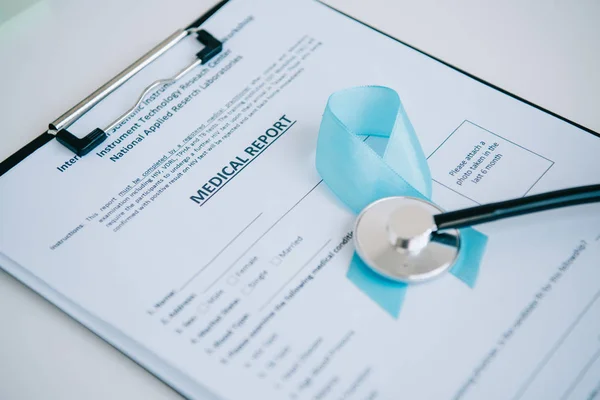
{"type": "Point", "coordinates": [58, 128]}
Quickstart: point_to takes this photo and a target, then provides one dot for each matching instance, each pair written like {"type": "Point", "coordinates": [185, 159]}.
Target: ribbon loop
{"type": "Point", "coordinates": [355, 172]}
{"type": "Point", "coordinates": [358, 176]}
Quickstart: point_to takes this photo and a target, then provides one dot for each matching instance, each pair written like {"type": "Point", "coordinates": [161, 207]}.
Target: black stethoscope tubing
{"type": "Point", "coordinates": [516, 207]}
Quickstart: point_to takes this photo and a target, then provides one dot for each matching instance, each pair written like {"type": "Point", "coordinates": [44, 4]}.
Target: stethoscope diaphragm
{"type": "Point", "coordinates": [395, 237]}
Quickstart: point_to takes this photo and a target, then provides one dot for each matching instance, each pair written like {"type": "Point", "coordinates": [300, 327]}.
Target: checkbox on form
{"type": "Point", "coordinates": [203, 308]}
{"type": "Point", "coordinates": [276, 260]}
{"type": "Point", "coordinates": [232, 280]}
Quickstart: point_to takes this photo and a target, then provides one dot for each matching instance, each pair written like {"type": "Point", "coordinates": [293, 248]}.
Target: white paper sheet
{"type": "Point", "coordinates": [238, 287]}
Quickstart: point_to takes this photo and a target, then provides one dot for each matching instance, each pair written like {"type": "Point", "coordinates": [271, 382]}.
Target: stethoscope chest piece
{"type": "Point", "coordinates": [396, 237]}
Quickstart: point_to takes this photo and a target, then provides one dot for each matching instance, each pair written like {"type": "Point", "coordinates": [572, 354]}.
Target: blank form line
{"type": "Point", "coordinates": [556, 346]}
{"type": "Point", "coordinates": [293, 276]}
{"type": "Point", "coordinates": [219, 253]}
{"type": "Point", "coordinates": [259, 238]}
{"type": "Point", "coordinates": [581, 374]}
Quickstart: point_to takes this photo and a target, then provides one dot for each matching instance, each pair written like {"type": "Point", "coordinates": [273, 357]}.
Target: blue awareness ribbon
{"type": "Point", "coordinates": [358, 176]}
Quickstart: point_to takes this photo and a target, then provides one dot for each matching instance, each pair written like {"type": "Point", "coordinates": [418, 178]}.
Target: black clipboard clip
{"type": "Point", "coordinates": [82, 146]}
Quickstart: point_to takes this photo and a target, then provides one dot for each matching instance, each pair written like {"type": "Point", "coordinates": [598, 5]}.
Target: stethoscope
{"type": "Point", "coordinates": [410, 240]}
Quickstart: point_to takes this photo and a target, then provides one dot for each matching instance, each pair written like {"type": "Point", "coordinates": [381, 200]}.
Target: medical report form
{"type": "Point", "coordinates": [200, 240]}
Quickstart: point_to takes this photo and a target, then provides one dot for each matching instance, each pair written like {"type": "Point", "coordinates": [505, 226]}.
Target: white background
{"type": "Point", "coordinates": [58, 52]}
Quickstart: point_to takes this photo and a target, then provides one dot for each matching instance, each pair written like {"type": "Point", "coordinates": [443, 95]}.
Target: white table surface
{"type": "Point", "coordinates": [57, 52]}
